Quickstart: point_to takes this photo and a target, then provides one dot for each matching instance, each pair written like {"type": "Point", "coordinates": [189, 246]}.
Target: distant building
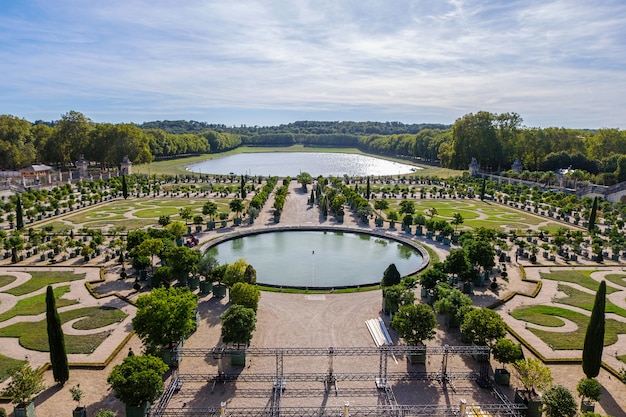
{"type": "Point", "coordinates": [35, 171]}
{"type": "Point", "coordinates": [126, 167]}
{"type": "Point", "coordinates": [474, 167]}
{"type": "Point", "coordinates": [517, 166]}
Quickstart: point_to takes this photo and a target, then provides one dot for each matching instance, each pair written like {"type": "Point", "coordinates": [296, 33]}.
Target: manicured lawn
{"type": "Point", "coordinates": [42, 279]}
{"type": "Point", "coordinates": [548, 316]}
{"type": "Point", "coordinates": [480, 214]}
{"type": "Point", "coordinates": [584, 300]}
{"type": "Point", "coordinates": [36, 304]}
{"type": "Point", "coordinates": [6, 280]}
{"type": "Point", "coordinates": [617, 279]}
{"type": "Point", "coordinates": [580, 277]}
{"type": "Point", "coordinates": [34, 335]}
{"type": "Point", "coordinates": [7, 365]}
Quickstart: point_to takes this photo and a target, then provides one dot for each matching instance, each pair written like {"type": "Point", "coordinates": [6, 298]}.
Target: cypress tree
{"type": "Point", "coordinates": [482, 189]}
{"type": "Point", "coordinates": [368, 188]}
{"type": "Point", "coordinates": [594, 338]}
{"type": "Point", "coordinates": [19, 214]}
{"type": "Point", "coordinates": [124, 187]}
{"type": "Point", "coordinates": [56, 340]}
{"type": "Point", "coordinates": [243, 188]}
{"type": "Point", "coordinates": [391, 276]}
{"type": "Point", "coordinates": [593, 214]}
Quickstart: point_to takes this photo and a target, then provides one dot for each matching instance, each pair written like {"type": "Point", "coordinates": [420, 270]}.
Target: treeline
{"type": "Point", "coordinates": [495, 140]}
{"type": "Point", "coordinates": [61, 143]}
{"type": "Point", "coordinates": [296, 128]}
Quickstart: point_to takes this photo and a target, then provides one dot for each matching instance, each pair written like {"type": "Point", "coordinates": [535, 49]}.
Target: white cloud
{"type": "Point", "coordinates": [555, 63]}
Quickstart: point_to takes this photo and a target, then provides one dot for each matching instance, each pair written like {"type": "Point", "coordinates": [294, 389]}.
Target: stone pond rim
{"type": "Point", "coordinates": [333, 229]}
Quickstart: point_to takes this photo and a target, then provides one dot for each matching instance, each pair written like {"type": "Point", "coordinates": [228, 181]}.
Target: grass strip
{"type": "Point", "coordinates": [34, 336]}
{"type": "Point", "coordinates": [41, 279]}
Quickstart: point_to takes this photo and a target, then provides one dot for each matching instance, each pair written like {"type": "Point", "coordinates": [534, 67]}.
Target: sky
{"type": "Point", "coordinates": [263, 62]}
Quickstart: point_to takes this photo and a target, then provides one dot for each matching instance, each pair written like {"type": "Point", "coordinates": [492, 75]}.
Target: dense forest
{"type": "Point", "coordinates": [495, 140]}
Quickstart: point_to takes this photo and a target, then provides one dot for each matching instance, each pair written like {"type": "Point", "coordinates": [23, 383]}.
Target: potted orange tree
{"type": "Point", "coordinates": [24, 386]}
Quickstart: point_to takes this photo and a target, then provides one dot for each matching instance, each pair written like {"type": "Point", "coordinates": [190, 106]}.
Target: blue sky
{"type": "Point", "coordinates": [555, 62]}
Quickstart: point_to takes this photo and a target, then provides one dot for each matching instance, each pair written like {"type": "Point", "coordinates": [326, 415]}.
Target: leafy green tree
{"type": "Point", "coordinates": [25, 384]}
{"type": "Point", "coordinates": [558, 401]}
{"type": "Point", "coordinates": [238, 324]}
{"type": "Point", "coordinates": [453, 304]}
{"type": "Point", "coordinates": [429, 278]}
{"type": "Point", "coordinates": [305, 179]}
{"type": "Point", "coordinates": [165, 316]}
{"type": "Point", "coordinates": [209, 209]}
{"type": "Point", "coordinates": [457, 262]}
{"type": "Point", "coordinates": [236, 206]}
{"type": "Point", "coordinates": [236, 272]}
{"type": "Point", "coordinates": [507, 351]}
{"type": "Point", "coordinates": [396, 296]}
{"type": "Point", "coordinates": [56, 340]}
{"type": "Point", "coordinates": [150, 247]}
{"type": "Point", "coordinates": [182, 260]}
{"type": "Point", "coordinates": [164, 220]}
{"type": "Point", "coordinates": [391, 276]}
{"type": "Point", "coordinates": [407, 207]}
{"type": "Point", "coordinates": [138, 379]}
{"type": "Point", "coordinates": [457, 220]}
{"type": "Point", "coordinates": [594, 337]}
{"type": "Point", "coordinates": [415, 323]}
{"type": "Point", "coordinates": [178, 229]}
{"type": "Point", "coordinates": [186, 214]}
{"type": "Point", "coordinates": [483, 326]}
{"type": "Point", "coordinates": [481, 253]}
{"type": "Point", "coordinates": [245, 294]}
{"type": "Point", "coordinates": [589, 389]}
{"type": "Point", "coordinates": [533, 375]}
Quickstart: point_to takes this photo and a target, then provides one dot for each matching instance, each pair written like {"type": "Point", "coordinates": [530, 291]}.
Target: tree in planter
{"type": "Point", "coordinates": [138, 380]}
{"type": "Point", "coordinates": [482, 326]}
{"type": "Point", "coordinates": [397, 296]}
{"type": "Point", "coordinates": [209, 209]}
{"type": "Point", "coordinates": [304, 178]}
{"type": "Point", "coordinates": [415, 323]}
{"type": "Point", "coordinates": [236, 272]}
{"type": "Point", "coordinates": [594, 337]}
{"type": "Point", "coordinates": [236, 206]}
{"type": "Point", "coordinates": [77, 395]}
{"type": "Point", "coordinates": [238, 323]}
{"type": "Point", "coordinates": [24, 386]}
{"type": "Point", "coordinates": [506, 351]}
{"type": "Point", "coordinates": [454, 305]}
{"type": "Point", "coordinates": [429, 278]}
{"type": "Point", "coordinates": [558, 401]}
{"type": "Point", "coordinates": [177, 229]}
{"type": "Point", "coordinates": [182, 260]}
{"type": "Point", "coordinates": [533, 375]}
{"type": "Point", "coordinates": [590, 390]}
{"type": "Point", "coordinates": [56, 340]}
{"type": "Point", "coordinates": [165, 316]}
{"type": "Point", "coordinates": [245, 294]}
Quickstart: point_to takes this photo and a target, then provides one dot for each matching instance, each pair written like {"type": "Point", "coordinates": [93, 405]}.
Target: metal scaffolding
{"type": "Point", "coordinates": [280, 378]}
